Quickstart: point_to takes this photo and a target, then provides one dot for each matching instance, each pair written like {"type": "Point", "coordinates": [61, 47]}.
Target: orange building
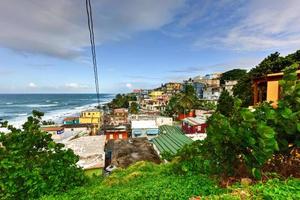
{"type": "Point", "coordinates": [268, 88]}
{"type": "Point", "coordinates": [115, 133]}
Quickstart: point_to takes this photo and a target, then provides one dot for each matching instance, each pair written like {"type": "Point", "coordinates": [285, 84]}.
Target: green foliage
{"type": "Point", "coordinates": [243, 91]}
{"type": "Point", "coordinates": [150, 181]}
{"type": "Point", "coordinates": [272, 64]}
{"type": "Point", "coordinates": [234, 74]}
{"type": "Point", "coordinates": [134, 108]}
{"type": "Point", "coordinates": [49, 122]}
{"type": "Point", "coordinates": [247, 137]}
{"type": "Point", "coordinates": [186, 101]}
{"type": "Point", "coordinates": [145, 181]}
{"type": "Point", "coordinates": [32, 164]}
{"type": "Point", "coordinates": [122, 101]}
{"type": "Point", "coordinates": [272, 189]}
{"type": "Point", "coordinates": [225, 103]}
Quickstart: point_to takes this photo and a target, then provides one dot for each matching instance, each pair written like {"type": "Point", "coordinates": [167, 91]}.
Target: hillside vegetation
{"type": "Point", "coordinates": [151, 181]}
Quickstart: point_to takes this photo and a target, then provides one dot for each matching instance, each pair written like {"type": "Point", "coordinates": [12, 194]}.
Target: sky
{"type": "Point", "coordinates": [44, 45]}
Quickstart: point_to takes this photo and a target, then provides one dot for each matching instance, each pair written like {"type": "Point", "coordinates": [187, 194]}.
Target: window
{"type": "Point", "coordinates": [111, 136]}
{"type": "Point", "coordinates": [120, 136]}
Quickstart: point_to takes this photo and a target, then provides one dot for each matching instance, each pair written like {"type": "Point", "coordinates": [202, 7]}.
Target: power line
{"type": "Point", "coordinates": [93, 49]}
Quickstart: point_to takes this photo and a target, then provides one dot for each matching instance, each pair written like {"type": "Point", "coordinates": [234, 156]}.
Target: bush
{"type": "Point", "coordinates": [249, 138]}
{"type": "Point", "coordinates": [31, 164]}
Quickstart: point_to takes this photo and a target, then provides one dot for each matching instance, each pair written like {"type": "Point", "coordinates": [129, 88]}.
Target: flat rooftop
{"type": "Point", "coordinates": [90, 150]}
{"type": "Point", "coordinates": [140, 124]}
{"type": "Point", "coordinates": [194, 120]}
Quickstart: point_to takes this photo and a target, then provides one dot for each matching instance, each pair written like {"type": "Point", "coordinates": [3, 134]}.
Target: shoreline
{"type": "Point", "coordinates": [55, 115]}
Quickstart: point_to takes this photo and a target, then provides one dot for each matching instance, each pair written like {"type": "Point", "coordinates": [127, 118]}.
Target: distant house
{"type": "Point", "coordinates": [155, 94]}
{"type": "Point", "coordinates": [71, 120]}
{"type": "Point", "coordinates": [229, 86]}
{"type": "Point", "coordinates": [161, 120]}
{"type": "Point", "coordinates": [170, 140]}
{"type": "Point", "coordinates": [144, 128]}
{"type": "Point", "coordinates": [85, 128]}
{"type": "Point", "coordinates": [119, 116]}
{"type": "Point", "coordinates": [93, 116]}
{"type": "Point", "coordinates": [90, 150]}
{"type": "Point", "coordinates": [193, 125]}
{"type": "Point", "coordinates": [53, 129]}
{"type": "Point", "coordinates": [115, 133]}
{"type": "Point", "coordinates": [267, 88]}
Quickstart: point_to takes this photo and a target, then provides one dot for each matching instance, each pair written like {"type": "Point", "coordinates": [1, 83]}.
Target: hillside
{"type": "Point", "coordinates": [151, 181]}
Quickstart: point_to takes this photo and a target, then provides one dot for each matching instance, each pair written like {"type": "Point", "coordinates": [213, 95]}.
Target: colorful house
{"type": "Point", "coordinates": [155, 94]}
{"type": "Point", "coordinates": [116, 133]}
{"type": "Point", "coordinates": [93, 116]}
{"type": "Point", "coordinates": [192, 125]}
{"type": "Point", "coordinates": [71, 120]}
{"type": "Point", "coordinates": [268, 88]}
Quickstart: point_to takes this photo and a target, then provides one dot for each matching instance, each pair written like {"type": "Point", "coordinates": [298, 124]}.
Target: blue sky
{"type": "Point", "coordinates": [44, 45]}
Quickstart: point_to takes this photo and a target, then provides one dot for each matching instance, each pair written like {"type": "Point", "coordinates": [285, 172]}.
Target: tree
{"type": "Point", "coordinates": [134, 108]}
{"type": "Point", "coordinates": [183, 102]}
{"type": "Point", "coordinates": [234, 74]}
{"type": "Point", "coordinates": [225, 103]}
{"type": "Point", "coordinates": [122, 101]}
{"type": "Point", "coordinates": [32, 164]}
{"type": "Point", "coordinates": [272, 64]}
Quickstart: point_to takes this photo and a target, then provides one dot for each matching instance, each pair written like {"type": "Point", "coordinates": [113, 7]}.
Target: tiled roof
{"type": "Point", "coordinates": [170, 139]}
{"type": "Point", "coordinates": [71, 118]}
{"type": "Point", "coordinates": [52, 128]}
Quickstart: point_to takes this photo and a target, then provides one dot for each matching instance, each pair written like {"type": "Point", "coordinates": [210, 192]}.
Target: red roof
{"type": "Point", "coordinates": [71, 118]}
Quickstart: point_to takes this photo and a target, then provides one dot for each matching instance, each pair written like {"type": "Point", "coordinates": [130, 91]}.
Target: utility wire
{"type": "Point", "coordinates": [93, 49]}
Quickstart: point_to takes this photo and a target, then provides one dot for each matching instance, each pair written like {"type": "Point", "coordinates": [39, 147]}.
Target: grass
{"type": "Point", "coordinates": [150, 181]}
{"type": "Point", "coordinates": [91, 172]}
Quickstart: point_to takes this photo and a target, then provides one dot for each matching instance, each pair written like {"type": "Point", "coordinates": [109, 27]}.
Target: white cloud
{"type": "Point", "coordinates": [128, 85]}
{"type": "Point", "coordinates": [263, 25]}
{"type": "Point", "coordinates": [59, 28]}
{"type": "Point", "coordinates": [75, 86]}
{"type": "Point", "coordinates": [32, 85]}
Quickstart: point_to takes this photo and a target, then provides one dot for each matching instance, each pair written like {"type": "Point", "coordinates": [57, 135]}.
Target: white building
{"type": "Point", "coordinates": [161, 120]}
{"type": "Point", "coordinates": [144, 128]}
{"type": "Point", "coordinates": [229, 86]}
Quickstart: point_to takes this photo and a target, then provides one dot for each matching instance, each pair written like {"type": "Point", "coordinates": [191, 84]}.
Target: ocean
{"type": "Point", "coordinates": [15, 108]}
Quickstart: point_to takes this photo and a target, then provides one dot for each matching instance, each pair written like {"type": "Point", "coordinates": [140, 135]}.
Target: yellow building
{"type": "Point", "coordinates": [155, 94]}
{"type": "Point", "coordinates": [268, 88]}
{"type": "Point", "coordinates": [93, 116]}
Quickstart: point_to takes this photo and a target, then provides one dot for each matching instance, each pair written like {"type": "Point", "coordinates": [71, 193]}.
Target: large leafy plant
{"type": "Point", "coordinates": [251, 138]}
{"type": "Point", "coordinates": [32, 164]}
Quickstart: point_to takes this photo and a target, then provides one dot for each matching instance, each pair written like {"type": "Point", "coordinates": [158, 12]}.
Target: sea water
{"type": "Point", "coordinates": [15, 108]}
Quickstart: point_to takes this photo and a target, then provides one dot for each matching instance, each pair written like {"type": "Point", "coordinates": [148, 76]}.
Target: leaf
{"type": "Point", "coordinates": [256, 173]}
{"type": "Point", "coordinates": [286, 113]}
{"type": "Point", "coordinates": [298, 126]}
{"type": "Point", "coordinates": [265, 131]}
{"type": "Point", "coordinates": [247, 115]}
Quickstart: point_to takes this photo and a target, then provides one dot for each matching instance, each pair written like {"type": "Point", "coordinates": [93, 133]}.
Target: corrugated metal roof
{"type": "Point", "coordinates": [170, 139]}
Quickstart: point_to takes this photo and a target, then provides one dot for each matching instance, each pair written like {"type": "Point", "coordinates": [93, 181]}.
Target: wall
{"type": "Point", "coordinates": [273, 91]}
